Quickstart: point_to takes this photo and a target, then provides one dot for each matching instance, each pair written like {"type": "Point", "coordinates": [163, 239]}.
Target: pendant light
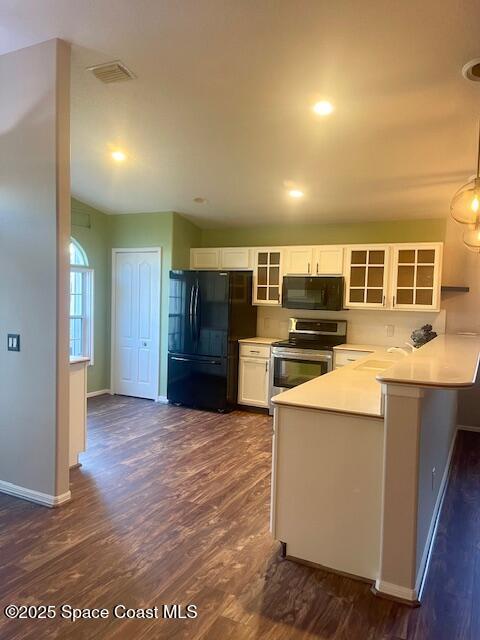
{"type": "Point", "coordinates": [471, 238]}
{"type": "Point", "coordinates": [465, 205]}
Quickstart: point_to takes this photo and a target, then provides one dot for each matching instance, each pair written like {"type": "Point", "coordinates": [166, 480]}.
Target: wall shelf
{"type": "Point", "coordinates": [446, 288]}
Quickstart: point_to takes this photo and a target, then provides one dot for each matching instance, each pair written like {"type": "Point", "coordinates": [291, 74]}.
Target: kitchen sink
{"type": "Point", "coordinates": [374, 365]}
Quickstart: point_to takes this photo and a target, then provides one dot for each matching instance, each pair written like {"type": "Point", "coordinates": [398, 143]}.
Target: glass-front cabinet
{"type": "Point", "coordinates": [367, 276]}
{"type": "Point", "coordinates": [267, 276]}
{"type": "Point", "coordinates": [416, 276]}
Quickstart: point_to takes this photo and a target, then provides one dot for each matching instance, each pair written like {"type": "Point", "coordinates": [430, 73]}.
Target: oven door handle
{"type": "Point", "coordinates": [292, 355]}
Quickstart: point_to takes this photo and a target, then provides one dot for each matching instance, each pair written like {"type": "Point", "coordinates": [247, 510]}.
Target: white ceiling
{"type": "Point", "coordinates": [221, 105]}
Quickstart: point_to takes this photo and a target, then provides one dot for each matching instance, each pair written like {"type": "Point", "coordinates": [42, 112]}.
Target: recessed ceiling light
{"type": "Point", "coordinates": [119, 156]}
{"type": "Point", "coordinates": [471, 70]}
{"type": "Point", "coordinates": [200, 200]}
{"type": "Point", "coordinates": [295, 193]}
{"type": "Point", "coordinates": [323, 108]}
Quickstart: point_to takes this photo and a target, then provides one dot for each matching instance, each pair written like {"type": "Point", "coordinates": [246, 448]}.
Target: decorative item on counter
{"type": "Point", "coordinates": [423, 335]}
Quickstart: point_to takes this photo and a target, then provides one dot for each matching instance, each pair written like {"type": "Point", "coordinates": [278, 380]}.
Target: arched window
{"type": "Point", "coordinates": [81, 303]}
{"type": "Point", "coordinates": [78, 257]}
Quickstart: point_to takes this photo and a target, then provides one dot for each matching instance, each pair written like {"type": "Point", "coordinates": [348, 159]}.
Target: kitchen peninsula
{"type": "Point", "coordinates": [370, 445]}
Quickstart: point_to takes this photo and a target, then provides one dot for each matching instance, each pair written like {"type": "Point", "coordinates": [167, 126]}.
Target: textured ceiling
{"type": "Point", "coordinates": [221, 104]}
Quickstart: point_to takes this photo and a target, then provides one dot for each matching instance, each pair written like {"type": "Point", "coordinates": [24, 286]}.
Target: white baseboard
{"type": "Point", "coordinates": [34, 496]}
{"type": "Point", "coordinates": [101, 392]}
{"type": "Point", "coordinates": [162, 399]}
{"type": "Point", "coordinates": [395, 591]}
{"type": "Point", "coordinates": [466, 427]}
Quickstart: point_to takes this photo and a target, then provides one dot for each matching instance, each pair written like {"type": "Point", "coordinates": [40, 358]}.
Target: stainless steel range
{"type": "Point", "coordinates": [307, 354]}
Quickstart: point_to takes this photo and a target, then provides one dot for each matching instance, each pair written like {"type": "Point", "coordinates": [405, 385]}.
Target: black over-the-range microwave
{"type": "Point", "coordinates": [313, 292]}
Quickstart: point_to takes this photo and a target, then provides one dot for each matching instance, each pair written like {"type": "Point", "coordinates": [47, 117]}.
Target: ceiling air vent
{"type": "Point", "coordinates": [109, 72]}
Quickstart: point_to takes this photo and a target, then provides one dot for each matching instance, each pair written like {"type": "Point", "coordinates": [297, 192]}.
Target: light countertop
{"type": "Point", "coordinates": [345, 390]}
{"type": "Point", "coordinates": [357, 347]}
{"type": "Point", "coordinates": [258, 340]}
{"type": "Point", "coordinates": [77, 359]}
{"type": "Point", "coordinates": [449, 361]}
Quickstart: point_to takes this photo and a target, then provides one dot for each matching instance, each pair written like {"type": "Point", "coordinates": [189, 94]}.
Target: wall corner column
{"type": "Point", "coordinates": [397, 573]}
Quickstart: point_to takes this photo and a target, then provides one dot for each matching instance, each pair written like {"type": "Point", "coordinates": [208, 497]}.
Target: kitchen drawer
{"type": "Point", "coordinates": [343, 357]}
{"type": "Point", "coordinates": [255, 350]}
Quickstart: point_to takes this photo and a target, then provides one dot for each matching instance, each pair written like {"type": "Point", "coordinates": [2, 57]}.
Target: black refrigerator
{"type": "Point", "coordinates": [209, 311]}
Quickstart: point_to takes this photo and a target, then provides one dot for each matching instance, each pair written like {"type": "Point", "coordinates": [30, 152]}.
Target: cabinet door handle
{"type": "Point", "coordinates": [266, 366]}
{"type": "Point", "coordinates": [308, 270]}
{"type": "Point", "coordinates": [393, 301]}
{"type": "Point", "coordinates": [383, 300]}
{"type": "Point", "coordinates": [254, 351]}
{"type": "Point", "coordinates": [317, 268]}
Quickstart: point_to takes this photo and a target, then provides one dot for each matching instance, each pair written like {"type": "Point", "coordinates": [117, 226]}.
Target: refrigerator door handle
{"type": "Point", "coordinates": [197, 323]}
{"type": "Point", "coordinates": [190, 311]}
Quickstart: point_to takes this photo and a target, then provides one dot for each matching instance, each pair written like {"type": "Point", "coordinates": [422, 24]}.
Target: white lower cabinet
{"type": "Point", "coordinates": [253, 381]}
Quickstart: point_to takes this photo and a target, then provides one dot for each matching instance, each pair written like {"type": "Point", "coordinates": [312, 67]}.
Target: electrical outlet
{"type": "Point", "coordinates": [13, 342]}
{"type": "Point", "coordinates": [267, 323]}
{"type": "Point", "coordinates": [390, 329]}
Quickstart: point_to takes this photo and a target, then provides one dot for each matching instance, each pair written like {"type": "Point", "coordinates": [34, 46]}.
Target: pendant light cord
{"type": "Point", "coordinates": [478, 155]}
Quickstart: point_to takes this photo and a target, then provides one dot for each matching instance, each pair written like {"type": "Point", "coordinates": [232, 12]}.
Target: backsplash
{"type": "Point", "coordinates": [364, 326]}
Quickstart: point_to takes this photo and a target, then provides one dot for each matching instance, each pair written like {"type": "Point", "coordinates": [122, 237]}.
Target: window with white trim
{"type": "Point", "coordinates": [81, 303]}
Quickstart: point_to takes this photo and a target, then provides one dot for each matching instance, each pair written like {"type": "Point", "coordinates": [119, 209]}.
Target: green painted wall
{"type": "Point", "coordinates": [99, 233]}
{"type": "Point", "coordinates": [345, 233]}
{"type": "Point", "coordinates": [90, 228]}
{"type": "Point", "coordinates": [149, 230]}
{"type": "Point", "coordinates": [185, 236]}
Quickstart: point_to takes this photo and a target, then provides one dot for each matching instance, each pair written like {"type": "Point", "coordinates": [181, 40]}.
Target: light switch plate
{"type": "Point", "coordinates": [390, 329]}
{"type": "Point", "coordinates": [13, 342]}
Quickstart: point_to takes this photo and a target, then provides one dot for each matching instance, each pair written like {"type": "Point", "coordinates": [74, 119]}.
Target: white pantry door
{"type": "Point", "coordinates": [136, 322]}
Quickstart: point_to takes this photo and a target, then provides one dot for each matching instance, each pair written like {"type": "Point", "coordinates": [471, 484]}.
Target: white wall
{"type": "Point", "coordinates": [34, 232]}
{"type": "Point", "coordinates": [462, 267]}
{"type": "Point", "coordinates": [364, 326]}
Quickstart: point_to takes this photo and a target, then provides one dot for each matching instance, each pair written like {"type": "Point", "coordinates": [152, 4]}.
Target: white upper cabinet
{"type": "Point", "coordinates": [205, 258]}
{"type": "Point", "coordinates": [329, 260]}
{"type": "Point", "coordinates": [267, 276]}
{"type": "Point", "coordinates": [298, 261]}
{"type": "Point", "coordinates": [399, 276]}
{"type": "Point", "coordinates": [416, 275]}
{"type": "Point", "coordinates": [315, 261]}
{"type": "Point", "coordinates": [402, 276]}
{"type": "Point", "coordinates": [367, 276]}
{"type": "Point", "coordinates": [239, 258]}
{"type": "Point", "coordinates": [228, 258]}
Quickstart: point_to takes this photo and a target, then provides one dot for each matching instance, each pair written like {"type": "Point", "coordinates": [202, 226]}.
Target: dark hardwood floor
{"type": "Point", "coordinates": [172, 506]}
